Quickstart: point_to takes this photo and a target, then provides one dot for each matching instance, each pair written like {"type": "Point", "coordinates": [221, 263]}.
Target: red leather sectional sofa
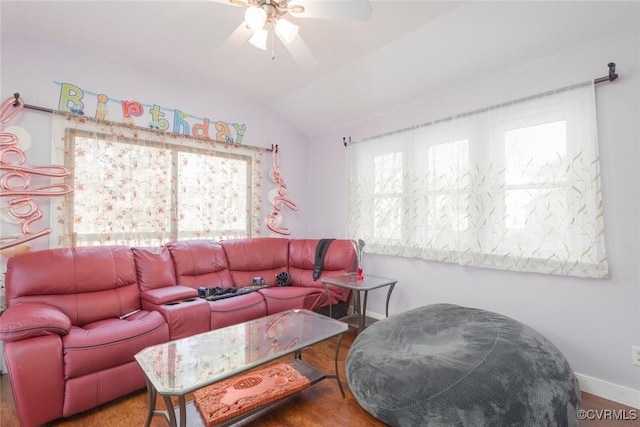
{"type": "Point", "coordinates": [77, 316]}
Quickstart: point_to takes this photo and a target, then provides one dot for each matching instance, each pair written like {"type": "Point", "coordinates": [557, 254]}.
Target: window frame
{"type": "Point", "coordinates": [72, 135]}
{"type": "Point", "coordinates": [521, 120]}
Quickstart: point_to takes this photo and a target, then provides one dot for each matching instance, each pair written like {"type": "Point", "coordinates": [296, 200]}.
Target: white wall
{"type": "Point", "coordinates": [594, 322]}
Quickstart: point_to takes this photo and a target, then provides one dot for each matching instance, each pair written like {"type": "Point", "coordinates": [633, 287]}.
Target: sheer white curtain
{"type": "Point", "coordinates": [513, 187]}
{"type": "Point", "coordinates": [143, 188]}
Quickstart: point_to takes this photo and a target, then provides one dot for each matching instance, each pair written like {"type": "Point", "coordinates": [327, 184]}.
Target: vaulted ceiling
{"type": "Point", "coordinates": [402, 54]}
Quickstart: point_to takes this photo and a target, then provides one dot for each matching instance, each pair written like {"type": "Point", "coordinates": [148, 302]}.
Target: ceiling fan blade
{"type": "Point", "coordinates": [232, 3]}
{"type": "Point", "coordinates": [357, 10]}
{"type": "Point", "coordinates": [301, 53]}
{"type": "Point", "coordinates": [233, 43]}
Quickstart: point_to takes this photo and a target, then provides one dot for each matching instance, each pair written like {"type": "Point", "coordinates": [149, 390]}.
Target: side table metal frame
{"type": "Point", "coordinates": [349, 281]}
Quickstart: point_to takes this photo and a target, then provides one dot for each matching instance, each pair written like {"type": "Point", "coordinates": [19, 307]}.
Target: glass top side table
{"type": "Point", "coordinates": [359, 287]}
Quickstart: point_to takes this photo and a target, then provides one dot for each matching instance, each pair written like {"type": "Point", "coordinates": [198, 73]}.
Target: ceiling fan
{"type": "Point", "coordinates": [267, 17]}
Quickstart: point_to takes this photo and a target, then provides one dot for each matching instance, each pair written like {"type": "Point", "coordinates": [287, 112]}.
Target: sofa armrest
{"type": "Point", "coordinates": [167, 294]}
{"type": "Point", "coordinates": [32, 319]}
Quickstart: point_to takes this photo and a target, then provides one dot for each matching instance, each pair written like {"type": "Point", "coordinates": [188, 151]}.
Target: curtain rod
{"type": "Point", "coordinates": [609, 78]}
{"type": "Point", "coordinates": [51, 111]}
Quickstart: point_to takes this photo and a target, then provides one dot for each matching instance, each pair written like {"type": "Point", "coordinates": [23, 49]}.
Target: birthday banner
{"type": "Point", "coordinates": [76, 100]}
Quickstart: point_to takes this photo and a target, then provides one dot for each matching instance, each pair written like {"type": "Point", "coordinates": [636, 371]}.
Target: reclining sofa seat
{"type": "Point", "coordinates": [78, 352]}
{"type": "Point", "coordinates": [203, 263]}
{"type": "Point", "coordinates": [340, 258]}
{"type": "Point", "coordinates": [266, 258]}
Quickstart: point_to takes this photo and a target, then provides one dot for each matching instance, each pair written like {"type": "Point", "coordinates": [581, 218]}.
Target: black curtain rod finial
{"type": "Point", "coordinates": [344, 140]}
{"type": "Point", "coordinates": [612, 71]}
{"type": "Point", "coordinates": [612, 74]}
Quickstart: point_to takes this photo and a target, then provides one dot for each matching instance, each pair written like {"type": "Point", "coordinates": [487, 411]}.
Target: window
{"type": "Point", "coordinates": [387, 195]}
{"type": "Point", "coordinates": [444, 193]}
{"type": "Point", "coordinates": [145, 188]}
{"type": "Point", "coordinates": [533, 177]}
{"type": "Point", "coordinates": [512, 187]}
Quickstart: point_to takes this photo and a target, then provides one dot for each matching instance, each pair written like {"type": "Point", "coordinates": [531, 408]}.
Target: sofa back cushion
{"type": "Point", "coordinates": [154, 268]}
{"type": "Point", "coordinates": [256, 257]}
{"type": "Point", "coordinates": [200, 263]}
{"type": "Point", "coordinates": [86, 283]}
{"type": "Point", "coordinates": [340, 258]}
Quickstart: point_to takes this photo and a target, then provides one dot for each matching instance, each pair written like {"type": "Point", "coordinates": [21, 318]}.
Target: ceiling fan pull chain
{"type": "Point", "coordinates": [273, 36]}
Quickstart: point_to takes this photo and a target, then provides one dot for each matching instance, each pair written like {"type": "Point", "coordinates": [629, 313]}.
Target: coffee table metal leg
{"type": "Point", "coordinates": [182, 411]}
{"type": "Point", "coordinates": [151, 404]}
{"type": "Point", "coordinates": [171, 413]}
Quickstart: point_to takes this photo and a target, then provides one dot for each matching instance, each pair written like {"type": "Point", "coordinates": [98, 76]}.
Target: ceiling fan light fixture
{"type": "Point", "coordinates": [255, 17]}
{"type": "Point", "coordinates": [286, 30]}
{"type": "Point", "coordinates": [259, 39]}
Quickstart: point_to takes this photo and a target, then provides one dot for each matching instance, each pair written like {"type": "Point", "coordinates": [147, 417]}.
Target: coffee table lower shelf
{"type": "Point", "coordinates": [194, 418]}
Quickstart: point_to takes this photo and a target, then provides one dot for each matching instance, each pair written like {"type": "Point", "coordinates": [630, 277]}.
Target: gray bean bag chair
{"type": "Point", "coordinates": [446, 365]}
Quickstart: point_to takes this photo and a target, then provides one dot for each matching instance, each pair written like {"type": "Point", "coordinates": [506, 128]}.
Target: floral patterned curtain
{"type": "Point", "coordinates": [143, 187]}
{"type": "Point", "coordinates": [513, 187]}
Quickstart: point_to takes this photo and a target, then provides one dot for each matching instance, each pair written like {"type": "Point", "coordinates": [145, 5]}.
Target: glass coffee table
{"type": "Point", "coordinates": [359, 286]}
{"type": "Point", "coordinates": [176, 368]}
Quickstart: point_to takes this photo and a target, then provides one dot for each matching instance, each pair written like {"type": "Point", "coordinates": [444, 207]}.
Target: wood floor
{"type": "Point", "coordinates": [318, 406]}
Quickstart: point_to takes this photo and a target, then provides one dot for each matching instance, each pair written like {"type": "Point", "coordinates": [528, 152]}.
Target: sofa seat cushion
{"type": "Point", "coordinates": [281, 298]}
{"type": "Point", "coordinates": [111, 342]}
{"type": "Point", "coordinates": [238, 309]}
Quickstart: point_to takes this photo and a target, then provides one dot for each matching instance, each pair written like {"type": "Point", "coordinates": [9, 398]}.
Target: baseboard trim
{"type": "Point", "coordinates": [617, 393]}
{"type": "Point", "coordinates": [606, 390]}
{"type": "Point", "coordinates": [375, 315]}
